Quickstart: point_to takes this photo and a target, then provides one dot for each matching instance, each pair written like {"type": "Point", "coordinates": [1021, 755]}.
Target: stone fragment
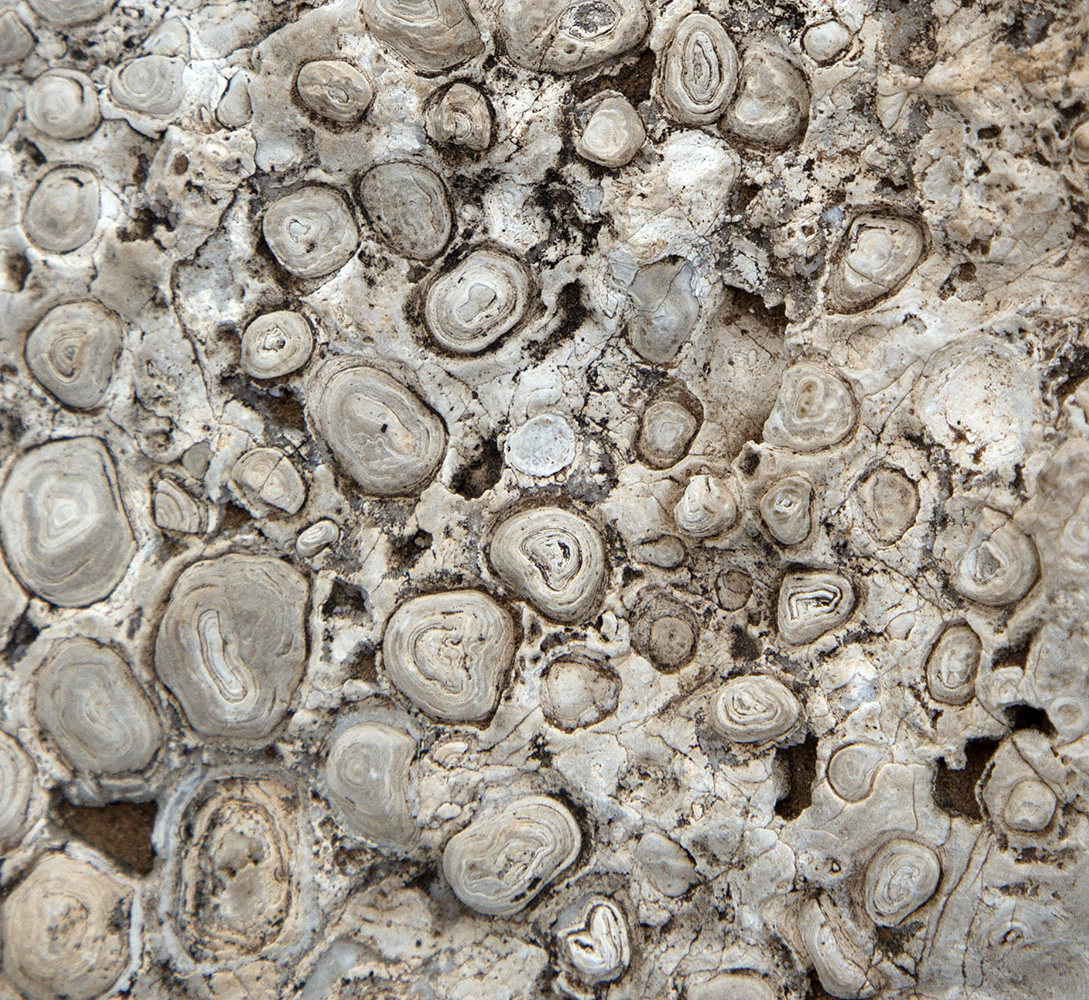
{"type": "Point", "coordinates": [543, 446]}
{"type": "Point", "coordinates": [388, 440]}
{"type": "Point", "coordinates": [771, 107]}
{"type": "Point", "coordinates": [73, 352]}
{"type": "Point", "coordinates": [87, 700]}
{"type": "Point", "coordinates": [826, 41]}
{"type": "Point", "coordinates": [65, 930]}
{"type": "Point", "coordinates": [754, 709]}
{"type": "Point", "coordinates": [63, 104]}
{"type": "Point", "coordinates": [578, 693]}
{"type": "Point", "coordinates": [63, 210]}
{"type": "Point", "coordinates": [482, 299]}
{"type": "Point", "coordinates": [461, 116]}
{"type": "Point", "coordinates": [430, 37]}
{"type": "Point", "coordinates": [232, 644]}
{"type": "Point", "coordinates": [613, 132]}
{"type": "Point", "coordinates": [814, 410]}
{"type": "Point", "coordinates": [334, 90]}
{"type": "Point", "coordinates": [366, 772]}
{"type": "Point", "coordinates": [16, 41]}
{"type": "Point", "coordinates": [552, 558]}
{"type": "Point", "coordinates": [476, 862]}
{"type": "Point", "coordinates": [449, 653]}
{"type": "Point", "coordinates": [408, 207]}
{"type": "Point", "coordinates": [664, 309]}
{"type": "Point", "coordinates": [668, 866]}
{"type": "Point", "coordinates": [64, 529]}
{"type": "Point", "coordinates": [813, 603]}
{"type": "Point", "coordinates": [265, 476]}
{"type": "Point", "coordinates": [666, 432]}
{"type": "Point", "coordinates": [699, 75]}
{"type": "Point", "coordinates": [565, 36]}
{"type": "Point", "coordinates": [595, 943]}
{"type": "Point", "coordinates": [311, 232]}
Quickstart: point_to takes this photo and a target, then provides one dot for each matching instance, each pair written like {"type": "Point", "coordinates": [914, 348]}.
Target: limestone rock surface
{"type": "Point", "coordinates": [544, 500]}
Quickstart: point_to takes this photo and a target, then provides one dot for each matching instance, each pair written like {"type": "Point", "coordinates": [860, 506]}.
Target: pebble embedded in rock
{"type": "Point", "coordinates": [613, 132]}
{"type": "Point", "coordinates": [542, 446]}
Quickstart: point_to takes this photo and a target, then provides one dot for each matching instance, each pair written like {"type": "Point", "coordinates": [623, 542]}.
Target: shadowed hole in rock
{"type": "Point", "coordinates": [743, 647]}
{"type": "Point", "coordinates": [120, 830]}
{"type": "Point", "coordinates": [280, 407]}
{"type": "Point", "coordinates": [800, 764]}
{"type": "Point", "coordinates": [895, 941]}
{"type": "Point", "coordinates": [910, 31]}
{"type": "Point", "coordinates": [1030, 25]}
{"type": "Point", "coordinates": [363, 667]}
{"type": "Point", "coordinates": [1023, 717]}
{"type": "Point", "coordinates": [408, 548]}
{"type": "Point", "coordinates": [750, 462]}
{"type": "Point", "coordinates": [23, 636]}
{"type": "Point", "coordinates": [1012, 656]}
{"type": "Point", "coordinates": [14, 270]}
{"type": "Point", "coordinates": [1069, 371]}
{"type": "Point", "coordinates": [635, 82]}
{"type": "Point", "coordinates": [234, 517]}
{"type": "Point", "coordinates": [31, 151]}
{"type": "Point", "coordinates": [344, 599]}
{"type": "Point", "coordinates": [955, 790]}
{"type": "Point", "coordinates": [570, 307]}
{"type": "Point", "coordinates": [814, 990]}
{"type": "Point", "coordinates": [481, 474]}
{"type": "Point", "coordinates": [962, 274]}
{"type": "Point", "coordinates": [571, 314]}
{"type": "Point", "coordinates": [743, 303]}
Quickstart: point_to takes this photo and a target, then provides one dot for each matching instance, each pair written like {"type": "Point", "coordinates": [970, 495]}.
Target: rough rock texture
{"type": "Point", "coordinates": [509, 499]}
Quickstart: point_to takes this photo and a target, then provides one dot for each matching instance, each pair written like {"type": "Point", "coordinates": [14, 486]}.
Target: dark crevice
{"type": "Point", "coordinates": [743, 647]}
{"type": "Point", "coordinates": [744, 303]}
{"type": "Point", "coordinates": [910, 35]}
{"type": "Point", "coordinates": [234, 517]}
{"type": "Point", "coordinates": [23, 636]}
{"type": "Point", "coordinates": [363, 667]}
{"type": "Point", "coordinates": [344, 599]}
{"type": "Point", "coordinates": [1021, 717]}
{"type": "Point", "coordinates": [1030, 25]}
{"type": "Point", "coordinates": [962, 274]}
{"type": "Point", "coordinates": [480, 475]}
{"type": "Point", "coordinates": [894, 941]}
{"type": "Point", "coordinates": [955, 791]}
{"type": "Point", "coordinates": [1070, 371]}
{"type": "Point", "coordinates": [142, 225]}
{"type": "Point", "coordinates": [571, 311]}
{"type": "Point", "coordinates": [800, 764]}
{"type": "Point", "coordinates": [120, 830]}
{"type": "Point", "coordinates": [1012, 656]}
{"type": "Point", "coordinates": [407, 549]}
{"type": "Point", "coordinates": [16, 268]}
{"type": "Point", "coordinates": [814, 990]}
{"type": "Point", "coordinates": [635, 82]}
{"type": "Point", "coordinates": [277, 405]}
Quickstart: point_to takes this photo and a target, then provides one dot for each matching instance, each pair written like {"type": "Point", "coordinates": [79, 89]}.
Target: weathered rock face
{"type": "Point", "coordinates": [506, 499]}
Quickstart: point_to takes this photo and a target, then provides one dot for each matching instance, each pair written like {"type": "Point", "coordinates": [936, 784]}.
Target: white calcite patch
{"type": "Point", "coordinates": [542, 446]}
